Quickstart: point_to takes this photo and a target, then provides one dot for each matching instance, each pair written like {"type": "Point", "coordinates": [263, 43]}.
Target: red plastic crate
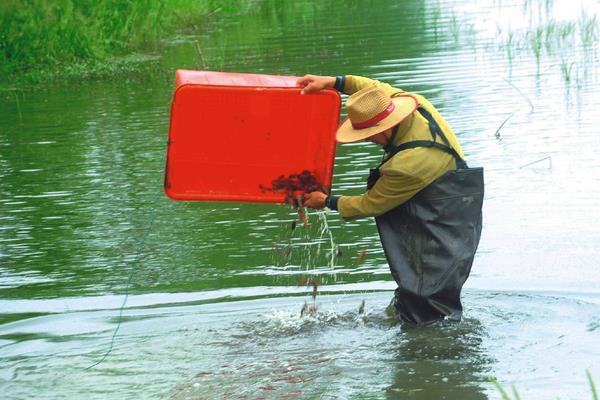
{"type": "Point", "coordinates": [231, 133]}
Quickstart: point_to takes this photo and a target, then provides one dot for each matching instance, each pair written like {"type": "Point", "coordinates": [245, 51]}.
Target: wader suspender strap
{"type": "Point", "coordinates": [390, 147]}
{"type": "Point", "coordinates": [435, 130]}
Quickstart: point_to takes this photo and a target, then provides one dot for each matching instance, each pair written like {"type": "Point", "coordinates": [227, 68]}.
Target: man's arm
{"type": "Point", "coordinates": [389, 192]}
{"type": "Point", "coordinates": [347, 84]}
{"type": "Point", "coordinates": [314, 83]}
{"type": "Point", "coordinates": [355, 83]}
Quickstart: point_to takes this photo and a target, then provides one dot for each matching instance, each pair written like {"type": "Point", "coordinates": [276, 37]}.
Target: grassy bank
{"type": "Point", "coordinates": [41, 39]}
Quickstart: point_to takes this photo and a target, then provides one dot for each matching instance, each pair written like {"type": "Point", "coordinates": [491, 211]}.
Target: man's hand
{"type": "Point", "coordinates": [314, 83]}
{"type": "Point", "coordinates": [314, 200]}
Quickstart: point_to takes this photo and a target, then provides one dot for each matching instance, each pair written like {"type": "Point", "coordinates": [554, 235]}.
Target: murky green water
{"type": "Point", "coordinates": [214, 303]}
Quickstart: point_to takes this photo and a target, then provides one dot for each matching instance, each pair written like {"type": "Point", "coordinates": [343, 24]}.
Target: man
{"type": "Point", "coordinates": [425, 200]}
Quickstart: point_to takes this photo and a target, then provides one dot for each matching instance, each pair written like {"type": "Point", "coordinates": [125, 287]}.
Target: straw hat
{"type": "Point", "coordinates": [371, 111]}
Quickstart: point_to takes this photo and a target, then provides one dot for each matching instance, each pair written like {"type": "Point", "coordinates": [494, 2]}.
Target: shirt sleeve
{"type": "Point", "coordinates": [355, 83]}
{"type": "Point", "coordinates": [390, 191]}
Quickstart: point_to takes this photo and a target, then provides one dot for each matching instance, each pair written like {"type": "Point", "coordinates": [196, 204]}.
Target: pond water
{"type": "Point", "coordinates": [211, 297]}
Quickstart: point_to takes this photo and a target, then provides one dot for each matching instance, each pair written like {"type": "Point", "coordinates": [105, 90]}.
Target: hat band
{"type": "Point", "coordinates": [371, 122]}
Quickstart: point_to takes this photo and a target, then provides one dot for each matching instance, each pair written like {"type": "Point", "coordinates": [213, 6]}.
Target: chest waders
{"type": "Point", "coordinates": [430, 241]}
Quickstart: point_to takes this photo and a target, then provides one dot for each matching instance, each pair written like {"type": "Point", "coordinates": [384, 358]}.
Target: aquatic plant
{"type": "Point", "coordinates": [455, 28]}
{"type": "Point", "coordinates": [461, 31]}
{"type": "Point", "coordinates": [565, 69]}
{"type": "Point", "coordinates": [588, 29]}
{"type": "Point", "coordinates": [435, 19]}
{"type": "Point", "coordinates": [536, 41]}
{"type": "Point", "coordinates": [18, 106]}
{"type": "Point", "coordinates": [592, 386]}
{"type": "Point", "coordinates": [555, 37]}
{"type": "Point", "coordinates": [557, 34]}
{"type": "Point", "coordinates": [506, 396]}
{"type": "Point", "coordinates": [497, 133]}
{"type": "Point", "coordinates": [503, 392]}
{"type": "Point", "coordinates": [509, 44]}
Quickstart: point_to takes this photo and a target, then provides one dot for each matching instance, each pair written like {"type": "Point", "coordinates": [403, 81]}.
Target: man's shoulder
{"type": "Point", "coordinates": [419, 162]}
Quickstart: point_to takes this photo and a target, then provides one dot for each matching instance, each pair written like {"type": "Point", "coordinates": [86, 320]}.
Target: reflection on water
{"type": "Point", "coordinates": [215, 303]}
{"type": "Point", "coordinates": [441, 362]}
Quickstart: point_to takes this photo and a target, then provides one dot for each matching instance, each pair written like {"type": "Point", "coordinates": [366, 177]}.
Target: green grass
{"type": "Point", "coordinates": [506, 396]}
{"type": "Point", "coordinates": [42, 37]}
{"type": "Point", "coordinates": [592, 386]}
{"type": "Point", "coordinates": [504, 393]}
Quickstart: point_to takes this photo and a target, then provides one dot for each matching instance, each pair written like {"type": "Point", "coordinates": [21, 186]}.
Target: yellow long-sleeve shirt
{"type": "Point", "coordinates": [408, 171]}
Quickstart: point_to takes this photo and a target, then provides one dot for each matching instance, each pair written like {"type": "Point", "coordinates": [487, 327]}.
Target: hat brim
{"type": "Point", "coordinates": [404, 106]}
